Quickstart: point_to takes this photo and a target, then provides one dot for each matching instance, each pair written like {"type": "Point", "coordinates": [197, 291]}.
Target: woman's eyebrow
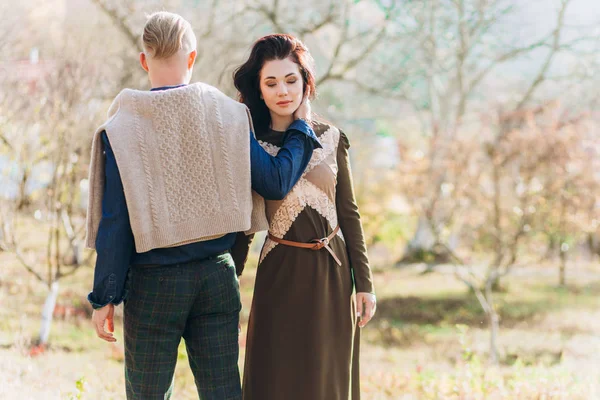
{"type": "Point", "coordinates": [272, 77]}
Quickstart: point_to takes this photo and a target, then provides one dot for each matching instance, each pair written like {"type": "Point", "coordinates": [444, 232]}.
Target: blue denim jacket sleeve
{"type": "Point", "coordinates": [274, 177]}
{"type": "Point", "coordinates": [114, 243]}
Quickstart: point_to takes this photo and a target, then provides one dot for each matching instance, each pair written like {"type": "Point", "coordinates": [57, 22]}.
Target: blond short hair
{"type": "Point", "coordinates": [167, 33]}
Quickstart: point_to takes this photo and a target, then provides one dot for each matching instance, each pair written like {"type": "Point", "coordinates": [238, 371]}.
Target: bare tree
{"type": "Point", "coordinates": [43, 129]}
{"type": "Point", "coordinates": [571, 189]}
{"type": "Point", "coordinates": [513, 192]}
{"type": "Point", "coordinates": [458, 50]}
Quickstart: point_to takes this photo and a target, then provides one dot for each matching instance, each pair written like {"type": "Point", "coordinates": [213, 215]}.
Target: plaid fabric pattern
{"type": "Point", "coordinates": [199, 301]}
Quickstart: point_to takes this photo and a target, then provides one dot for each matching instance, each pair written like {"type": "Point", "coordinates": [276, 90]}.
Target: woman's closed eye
{"type": "Point", "coordinates": [289, 82]}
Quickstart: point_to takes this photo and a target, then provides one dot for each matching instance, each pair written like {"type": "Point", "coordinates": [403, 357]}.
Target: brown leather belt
{"type": "Point", "coordinates": [315, 244]}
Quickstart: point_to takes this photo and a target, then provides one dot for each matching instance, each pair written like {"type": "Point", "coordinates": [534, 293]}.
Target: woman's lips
{"type": "Point", "coordinates": [284, 103]}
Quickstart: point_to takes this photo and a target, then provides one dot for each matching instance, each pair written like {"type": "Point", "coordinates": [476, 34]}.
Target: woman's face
{"type": "Point", "coordinates": [281, 86]}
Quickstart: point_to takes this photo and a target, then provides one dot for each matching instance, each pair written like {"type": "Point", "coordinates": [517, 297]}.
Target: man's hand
{"type": "Point", "coordinates": [104, 316]}
{"type": "Point", "coordinates": [366, 304]}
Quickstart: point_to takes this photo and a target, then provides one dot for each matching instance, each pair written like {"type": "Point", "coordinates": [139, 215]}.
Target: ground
{"type": "Point", "coordinates": [428, 340]}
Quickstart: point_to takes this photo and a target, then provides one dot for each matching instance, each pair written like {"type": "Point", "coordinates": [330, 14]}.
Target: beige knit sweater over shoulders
{"type": "Point", "coordinates": [184, 159]}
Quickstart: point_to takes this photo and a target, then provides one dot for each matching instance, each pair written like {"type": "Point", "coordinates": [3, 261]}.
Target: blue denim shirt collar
{"type": "Point", "coordinates": [166, 87]}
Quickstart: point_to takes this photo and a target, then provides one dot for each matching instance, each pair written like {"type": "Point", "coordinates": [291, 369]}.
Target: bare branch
{"type": "Point", "coordinates": [5, 141]}
{"type": "Point", "coordinates": [28, 266]}
{"type": "Point", "coordinates": [368, 49]}
{"type": "Point", "coordinates": [338, 47]}
{"type": "Point", "coordinates": [119, 20]}
{"type": "Point", "coordinates": [370, 89]}
{"type": "Point", "coordinates": [68, 273]}
{"type": "Point", "coordinates": [271, 15]}
{"type": "Point", "coordinates": [10, 245]}
{"type": "Point", "coordinates": [503, 58]}
{"type": "Point", "coordinates": [546, 66]}
{"type": "Point", "coordinates": [329, 18]}
{"type": "Point", "coordinates": [211, 20]}
{"type": "Point", "coordinates": [471, 282]}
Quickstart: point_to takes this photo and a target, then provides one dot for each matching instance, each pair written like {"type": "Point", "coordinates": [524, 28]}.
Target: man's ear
{"type": "Point", "coordinates": [144, 61]}
{"type": "Point", "coordinates": [191, 58]}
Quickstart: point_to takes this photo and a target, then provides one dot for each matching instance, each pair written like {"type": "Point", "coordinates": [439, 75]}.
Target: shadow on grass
{"type": "Point", "coordinates": [513, 306]}
{"type": "Point", "coordinates": [455, 310]}
{"type": "Point", "coordinates": [407, 321]}
{"type": "Point", "coordinates": [590, 290]}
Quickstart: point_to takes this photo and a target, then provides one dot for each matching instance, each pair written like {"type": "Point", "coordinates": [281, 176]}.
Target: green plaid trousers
{"type": "Point", "coordinates": [199, 301]}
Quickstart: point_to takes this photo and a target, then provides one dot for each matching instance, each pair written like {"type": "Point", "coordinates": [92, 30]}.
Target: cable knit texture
{"type": "Point", "coordinates": [178, 152]}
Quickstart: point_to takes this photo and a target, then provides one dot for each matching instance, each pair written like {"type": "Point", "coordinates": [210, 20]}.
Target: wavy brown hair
{"type": "Point", "coordinates": [247, 76]}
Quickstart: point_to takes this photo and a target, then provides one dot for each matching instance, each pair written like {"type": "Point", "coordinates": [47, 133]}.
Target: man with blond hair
{"type": "Point", "coordinates": [171, 179]}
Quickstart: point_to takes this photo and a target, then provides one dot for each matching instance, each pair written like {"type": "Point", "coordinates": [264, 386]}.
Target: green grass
{"type": "Point", "coordinates": [412, 346]}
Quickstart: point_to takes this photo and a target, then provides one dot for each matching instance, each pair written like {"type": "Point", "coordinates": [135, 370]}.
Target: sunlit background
{"type": "Point", "coordinates": [474, 142]}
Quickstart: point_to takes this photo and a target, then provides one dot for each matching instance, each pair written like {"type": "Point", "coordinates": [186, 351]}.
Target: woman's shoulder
{"type": "Point", "coordinates": [322, 127]}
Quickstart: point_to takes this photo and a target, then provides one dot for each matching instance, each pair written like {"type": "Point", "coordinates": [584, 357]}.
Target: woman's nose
{"type": "Point", "coordinates": [282, 91]}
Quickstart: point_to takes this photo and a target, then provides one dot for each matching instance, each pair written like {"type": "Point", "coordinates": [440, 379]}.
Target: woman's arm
{"type": "Point", "coordinates": [349, 220]}
{"type": "Point", "coordinates": [274, 177]}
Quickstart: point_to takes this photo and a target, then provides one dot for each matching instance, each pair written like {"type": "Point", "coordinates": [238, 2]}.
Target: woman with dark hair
{"type": "Point", "coordinates": [303, 341]}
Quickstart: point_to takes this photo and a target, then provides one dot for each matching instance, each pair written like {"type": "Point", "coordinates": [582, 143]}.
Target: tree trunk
{"type": "Point", "coordinates": [494, 330]}
{"type": "Point", "coordinates": [497, 285]}
{"type": "Point", "coordinates": [23, 200]}
{"type": "Point", "coordinates": [552, 247]}
{"type": "Point", "coordinates": [423, 239]}
{"type": "Point", "coordinates": [422, 243]}
{"type": "Point", "coordinates": [494, 322]}
{"type": "Point", "coordinates": [485, 296]}
{"type": "Point", "coordinates": [47, 313]}
{"type": "Point", "coordinates": [593, 243]}
{"type": "Point", "coordinates": [562, 278]}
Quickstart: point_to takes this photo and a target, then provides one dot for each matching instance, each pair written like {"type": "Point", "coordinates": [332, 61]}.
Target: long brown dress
{"type": "Point", "coordinates": [303, 338]}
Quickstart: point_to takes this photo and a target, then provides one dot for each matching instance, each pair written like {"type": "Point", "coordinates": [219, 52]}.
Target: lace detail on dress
{"type": "Point", "coordinates": [329, 141]}
{"type": "Point", "coordinates": [304, 194]}
{"type": "Point", "coordinates": [269, 148]}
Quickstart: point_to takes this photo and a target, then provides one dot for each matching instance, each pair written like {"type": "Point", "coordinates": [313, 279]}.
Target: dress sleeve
{"type": "Point", "coordinates": [349, 220]}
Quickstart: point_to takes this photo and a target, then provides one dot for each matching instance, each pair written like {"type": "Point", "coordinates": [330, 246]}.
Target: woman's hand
{"type": "Point", "coordinates": [366, 304]}
{"type": "Point", "coordinates": [304, 111]}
